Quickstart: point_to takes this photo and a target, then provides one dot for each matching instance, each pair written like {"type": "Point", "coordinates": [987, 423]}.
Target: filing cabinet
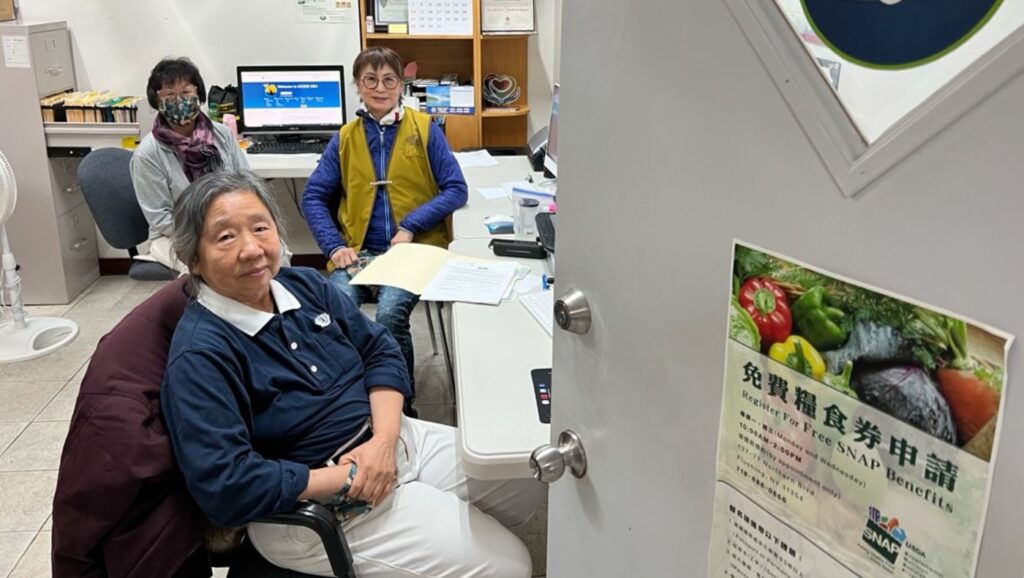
{"type": "Point", "coordinates": [52, 233]}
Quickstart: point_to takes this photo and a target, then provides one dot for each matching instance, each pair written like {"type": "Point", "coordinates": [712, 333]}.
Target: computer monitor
{"type": "Point", "coordinates": [551, 154]}
{"type": "Point", "coordinates": [291, 99]}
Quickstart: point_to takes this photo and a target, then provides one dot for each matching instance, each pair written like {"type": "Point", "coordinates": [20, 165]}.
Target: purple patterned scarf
{"type": "Point", "coordinates": [198, 153]}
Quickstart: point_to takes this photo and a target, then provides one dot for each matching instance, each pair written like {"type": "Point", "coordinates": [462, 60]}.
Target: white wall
{"type": "Point", "coordinates": [117, 42]}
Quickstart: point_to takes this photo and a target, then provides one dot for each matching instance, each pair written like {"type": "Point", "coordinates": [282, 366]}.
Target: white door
{"type": "Point", "coordinates": [674, 142]}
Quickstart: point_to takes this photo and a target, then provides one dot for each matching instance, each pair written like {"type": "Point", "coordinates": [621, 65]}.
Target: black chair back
{"type": "Point", "coordinates": [106, 180]}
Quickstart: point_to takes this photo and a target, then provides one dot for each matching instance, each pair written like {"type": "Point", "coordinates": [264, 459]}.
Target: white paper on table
{"type": "Point", "coordinates": [542, 307]}
{"type": "Point", "coordinates": [526, 190]}
{"type": "Point", "coordinates": [408, 266]}
{"type": "Point", "coordinates": [471, 282]}
{"type": "Point", "coordinates": [480, 158]}
{"type": "Point", "coordinates": [522, 272]}
{"type": "Point", "coordinates": [529, 284]}
{"type": "Point", "coordinates": [491, 193]}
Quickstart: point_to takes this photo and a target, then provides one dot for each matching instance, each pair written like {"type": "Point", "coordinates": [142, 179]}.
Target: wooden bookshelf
{"type": "Point", "coordinates": [471, 57]}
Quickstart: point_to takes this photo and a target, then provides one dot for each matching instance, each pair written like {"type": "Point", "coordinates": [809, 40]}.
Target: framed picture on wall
{"type": "Point", "coordinates": [507, 17]}
{"type": "Point", "coordinates": [391, 11]}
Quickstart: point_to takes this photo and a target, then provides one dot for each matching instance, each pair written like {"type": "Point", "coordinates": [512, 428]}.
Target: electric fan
{"type": "Point", "coordinates": [23, 338]}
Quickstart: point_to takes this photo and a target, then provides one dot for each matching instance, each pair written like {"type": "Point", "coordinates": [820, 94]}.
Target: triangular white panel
{"type": "Point", "coordinates": [865, 115]}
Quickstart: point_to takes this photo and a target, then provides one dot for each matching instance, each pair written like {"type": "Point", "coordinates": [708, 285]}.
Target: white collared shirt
{"type": "Point", "coordinates": [248, 320]}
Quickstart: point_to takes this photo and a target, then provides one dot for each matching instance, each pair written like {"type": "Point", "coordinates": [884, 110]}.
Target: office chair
{"type": "Point", "coordinates": [121, 504]}
{"type": "Point", "coordinates": [106, 181]}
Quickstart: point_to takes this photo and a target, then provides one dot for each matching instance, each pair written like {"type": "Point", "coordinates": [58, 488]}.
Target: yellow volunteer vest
{"type": "Point", "coordinates": [412, 181]}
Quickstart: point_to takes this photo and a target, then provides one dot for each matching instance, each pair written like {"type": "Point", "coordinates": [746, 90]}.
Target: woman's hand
{"type": "Point", "coordinates": [376, 470]}
{"type": "Point", "coordinates": [402, 236]}
{"type": "Point", "coordinates": [344, 257]}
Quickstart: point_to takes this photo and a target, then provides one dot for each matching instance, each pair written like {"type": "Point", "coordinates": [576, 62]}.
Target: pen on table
{"type": "Point", "coordinates": [546, 282]}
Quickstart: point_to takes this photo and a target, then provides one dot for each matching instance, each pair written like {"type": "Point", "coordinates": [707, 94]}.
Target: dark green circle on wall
{"type": "Point", "coordinates": [904, 34]}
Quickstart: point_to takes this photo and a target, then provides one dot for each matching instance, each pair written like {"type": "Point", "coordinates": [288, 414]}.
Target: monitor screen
{"type": "Point", "coordinates": [551, 156]}
{"type": "Point", "coordinates": [283, 99]}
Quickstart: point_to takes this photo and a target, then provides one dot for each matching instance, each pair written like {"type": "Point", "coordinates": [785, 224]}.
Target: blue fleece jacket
{"type": "Point", "coordinates": [324, 191]}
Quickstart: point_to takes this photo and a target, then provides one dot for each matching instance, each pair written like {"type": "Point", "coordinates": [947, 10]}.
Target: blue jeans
{"type": "Point", "coordinates": [394, 307]}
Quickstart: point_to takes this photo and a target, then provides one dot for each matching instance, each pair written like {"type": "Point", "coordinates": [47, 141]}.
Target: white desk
{"type": "Point", "coordinates": [494, 350]}
{"type": "Point", "coordinates": [283, 166]}
{"type": "Point", "coordinates": [468, 222]}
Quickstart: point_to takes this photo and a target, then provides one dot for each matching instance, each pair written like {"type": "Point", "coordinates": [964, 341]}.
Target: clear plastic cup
{"type": "Point", "coordinates": [526, 218]}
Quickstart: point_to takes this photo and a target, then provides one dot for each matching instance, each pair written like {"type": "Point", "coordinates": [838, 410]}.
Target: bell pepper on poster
{"type": "Point", "coordinates": [824, 326]}
{"type": "Point", "coordinates": [768, 305]}
{"type": "Point", "coordinates": [800, 355]}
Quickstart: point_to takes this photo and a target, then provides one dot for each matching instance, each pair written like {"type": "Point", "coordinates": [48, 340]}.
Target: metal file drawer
{"type": "Point", "coordinates": [77, 233]}
{"type": "Point", "coordinates": [67, 194]}
{"type": "Point", "coordinates": [51, 59]}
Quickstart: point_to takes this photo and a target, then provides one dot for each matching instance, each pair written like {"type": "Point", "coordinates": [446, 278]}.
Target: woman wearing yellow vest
{"type": "Point", "coordinates": [387, 177]}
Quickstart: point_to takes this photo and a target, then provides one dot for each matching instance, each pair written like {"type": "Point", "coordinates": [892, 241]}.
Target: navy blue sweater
{"type": "Point", "coordinates": [247, 416]}
{"type": "Point", "coordinates": [323, 190]}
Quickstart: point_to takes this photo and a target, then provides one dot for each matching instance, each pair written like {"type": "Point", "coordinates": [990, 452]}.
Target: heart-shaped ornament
{"type": "Point", "coordinates": [500, 89]}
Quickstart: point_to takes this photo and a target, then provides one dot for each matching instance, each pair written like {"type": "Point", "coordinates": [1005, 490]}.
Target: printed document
{"type": "Point", "coordinates": [471, 282]}
{"type": "Point", "coordinates": [480, 158]}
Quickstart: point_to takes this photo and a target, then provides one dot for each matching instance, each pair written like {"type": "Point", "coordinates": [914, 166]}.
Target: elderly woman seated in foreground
{"type": "Point", "coordinates": [279, 389]}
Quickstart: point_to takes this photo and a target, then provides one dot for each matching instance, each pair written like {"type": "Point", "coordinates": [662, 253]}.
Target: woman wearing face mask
{"type": "Point", "coordinates": [183, 146]}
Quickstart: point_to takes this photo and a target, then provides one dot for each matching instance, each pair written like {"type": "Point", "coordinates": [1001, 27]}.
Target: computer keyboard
{"type": "Point", "coordinates": [315, 147]}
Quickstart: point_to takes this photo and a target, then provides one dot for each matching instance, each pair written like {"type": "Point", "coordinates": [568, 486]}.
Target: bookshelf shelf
{"type": "Point", "coordinates": [472, 58]}
{"type": "Point", "coordinates": [505, 112]}
{"type": "Point", "coordinates": [386, 36]}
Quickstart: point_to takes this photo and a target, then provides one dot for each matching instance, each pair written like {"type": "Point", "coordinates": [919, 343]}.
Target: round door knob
{"type": "Point", "coordinates": [548, 462]}
{"type": "Point", "coordinates": [572, 312]}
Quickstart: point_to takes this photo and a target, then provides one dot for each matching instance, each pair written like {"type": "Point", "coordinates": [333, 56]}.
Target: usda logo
{"type": "Point", "coordinates": [884, 535]}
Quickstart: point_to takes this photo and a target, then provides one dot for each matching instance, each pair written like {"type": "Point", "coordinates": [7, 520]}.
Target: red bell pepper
{"type": "Point", "coordinates": [768, 305]}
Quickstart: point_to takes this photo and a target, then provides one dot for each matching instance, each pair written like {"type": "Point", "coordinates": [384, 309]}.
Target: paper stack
{"type": "Point", "coordinates": [439, 275]}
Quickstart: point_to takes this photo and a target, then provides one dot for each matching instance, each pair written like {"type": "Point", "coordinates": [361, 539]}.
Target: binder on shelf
{"type": "Point", "coordinates": [91, 107]}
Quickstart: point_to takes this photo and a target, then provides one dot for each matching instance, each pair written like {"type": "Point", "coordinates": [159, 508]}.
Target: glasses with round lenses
{"type": "Point", "coordinates": [187, 92]}
{"type": "Point", "coordinates": [370, 82]}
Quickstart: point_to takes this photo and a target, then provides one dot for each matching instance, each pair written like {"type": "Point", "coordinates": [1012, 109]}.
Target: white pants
{"type": "Point", "coordinates": [437, 522]}
{"type": "Point", "coordinates": [162, 251]}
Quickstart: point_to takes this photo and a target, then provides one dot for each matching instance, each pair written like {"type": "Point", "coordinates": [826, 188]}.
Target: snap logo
{"type": "Point", "coordinates": [884, 535]}
{"type": "Point", "coordinates": [322, 320]}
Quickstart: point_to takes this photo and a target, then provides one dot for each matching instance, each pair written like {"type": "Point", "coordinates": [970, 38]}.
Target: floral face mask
{"type": "Point", "coordinates": [181, 111]}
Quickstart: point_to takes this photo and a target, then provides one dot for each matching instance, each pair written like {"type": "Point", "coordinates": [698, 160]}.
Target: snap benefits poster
{"type": "Point", "coordinates": [858, 431]}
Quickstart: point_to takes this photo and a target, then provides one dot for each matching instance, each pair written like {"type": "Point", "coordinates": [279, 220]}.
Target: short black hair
{"type": "Point", "coordinates": [171, 70]}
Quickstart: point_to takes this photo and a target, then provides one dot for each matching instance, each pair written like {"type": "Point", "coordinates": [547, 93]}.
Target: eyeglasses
{"type": "Point", "coordinates": [370, 82]}
{"type": "Point", "coordinates": [187, 92]}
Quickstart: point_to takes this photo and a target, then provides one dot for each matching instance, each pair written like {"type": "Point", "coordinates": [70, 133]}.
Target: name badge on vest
{"type": "Point", "coordinates": [322, 320]}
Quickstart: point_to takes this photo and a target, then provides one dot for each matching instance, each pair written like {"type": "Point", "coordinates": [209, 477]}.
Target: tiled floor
{"type": "Point", "coordinates": [36, 402]}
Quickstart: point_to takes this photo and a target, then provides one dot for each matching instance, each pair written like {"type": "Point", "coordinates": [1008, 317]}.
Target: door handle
{"type": "Point", "coordinates": [572, 312]}
{"type": "Point", "coordinates": [548, 462]}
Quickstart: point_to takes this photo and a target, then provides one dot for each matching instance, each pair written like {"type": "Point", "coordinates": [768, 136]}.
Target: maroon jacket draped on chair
{"type": "Point", "coordinates": [121, 507]}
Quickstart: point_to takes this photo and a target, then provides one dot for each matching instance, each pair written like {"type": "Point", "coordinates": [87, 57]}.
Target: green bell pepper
{"type": "Point", "coordinates": [824, 326]}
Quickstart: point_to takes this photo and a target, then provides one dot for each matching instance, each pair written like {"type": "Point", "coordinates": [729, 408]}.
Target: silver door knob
{"type": "Point", "coordinates": [548, 462]}
{"type": "Point", "coordinates": [572, 312]}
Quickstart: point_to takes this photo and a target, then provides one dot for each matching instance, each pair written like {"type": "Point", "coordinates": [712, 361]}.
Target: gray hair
{"type": "Point", "coordinates": [191, 206]}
